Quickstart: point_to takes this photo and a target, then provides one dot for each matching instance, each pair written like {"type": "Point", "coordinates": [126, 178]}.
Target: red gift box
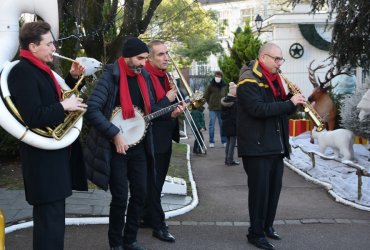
{"type": "Point", "coordinates": [297, 127]}
{"type": "Point", "coordinates": [360, 140]}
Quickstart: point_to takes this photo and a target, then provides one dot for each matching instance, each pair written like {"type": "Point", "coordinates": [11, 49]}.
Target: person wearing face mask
{"type": "Point", "coordinates": [263, 108]}
{"type": "Point", "coordinates": [109, 160]}
{"type": "Point", "coordinates": [216, 90]}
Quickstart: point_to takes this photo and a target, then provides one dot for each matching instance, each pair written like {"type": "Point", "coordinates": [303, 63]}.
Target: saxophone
{"type": "Point", "coordinates": [308, 108]}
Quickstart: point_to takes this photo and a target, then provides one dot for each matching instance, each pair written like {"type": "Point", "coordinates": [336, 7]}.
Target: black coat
{"type": "Point", "coordinates": [165, 128]}
{"type": "Point", "coordinates": [228, 115]}
{"type": "Point", "coordinates": [46, 173]}
{"type": "Point", "coordinates": [262, 121]}
{"type": "Point", "coordinates": [98, 150]}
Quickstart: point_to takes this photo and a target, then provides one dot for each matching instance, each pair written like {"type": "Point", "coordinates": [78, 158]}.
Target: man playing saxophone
{"type": "Point", "coordinates": [263, 138]}
{"type": "Point", "coordinates": [37, 95]}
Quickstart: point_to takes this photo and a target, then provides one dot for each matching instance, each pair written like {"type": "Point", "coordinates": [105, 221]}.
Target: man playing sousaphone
{"type": "Point", "coordinates": [37, 96]}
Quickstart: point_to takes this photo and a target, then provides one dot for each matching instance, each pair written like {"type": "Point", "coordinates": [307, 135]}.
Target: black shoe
{"type": "Point", "coordinates": [133, 246]}
{"type": "Point", "coordinates": [271, 233]}
{"type": "Point", "coordinates": [164, 235]}
{"type": "Point", "coordinates": [261, 243]}
{"type": "Point", "coordinates": [117, 248]}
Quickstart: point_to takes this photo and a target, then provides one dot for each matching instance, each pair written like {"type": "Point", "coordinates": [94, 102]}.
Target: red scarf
{"type": "Point", "coordinates": [271, 77]}
{"type": "Point", "coordinates": [41, 65]}
{"type": "Point", "coordinates": [124, 93]}
{"type": "Point", "coordinates": [154, 74]}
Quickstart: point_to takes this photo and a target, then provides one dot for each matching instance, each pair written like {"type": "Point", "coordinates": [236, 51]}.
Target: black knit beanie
{"type": "Point", "coordinates": [133, 46]}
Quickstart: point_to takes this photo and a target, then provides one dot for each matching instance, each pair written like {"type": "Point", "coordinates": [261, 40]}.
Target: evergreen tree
{"type": "Point", "coordinates": [244, 49]}
{"type": "Point", "coordinates": [349, 113]}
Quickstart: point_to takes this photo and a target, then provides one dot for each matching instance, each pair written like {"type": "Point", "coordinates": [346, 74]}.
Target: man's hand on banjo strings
{"type": "Point", "coordinates": [121, 146]}
{"type": "Point", "coordinates": [179, 109]}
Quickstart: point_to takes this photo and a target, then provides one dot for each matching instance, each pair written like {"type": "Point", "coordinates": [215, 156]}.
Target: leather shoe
{"type": "Point", "coordinates": [271, 233]}
{"type": "Point", "coordinates": [164, 235]}
{"type": "Point", "coordinates": [261, 243]}
{"type": "Point", "coordinates": [133, 246]}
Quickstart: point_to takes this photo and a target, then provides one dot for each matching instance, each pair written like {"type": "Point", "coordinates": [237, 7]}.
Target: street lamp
{"type": "Point", "coordinates": [258, 21]}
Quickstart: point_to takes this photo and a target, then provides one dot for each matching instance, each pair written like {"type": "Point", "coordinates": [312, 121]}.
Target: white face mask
{"type": "Point", "coordinates": [217, 79]}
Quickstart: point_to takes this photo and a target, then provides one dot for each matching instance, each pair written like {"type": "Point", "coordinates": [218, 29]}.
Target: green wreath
{"type": "Point", "coordinates": [310, 34]}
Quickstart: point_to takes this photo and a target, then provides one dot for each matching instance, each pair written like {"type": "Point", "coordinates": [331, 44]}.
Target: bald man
{"type": "Point", "coordinates": [263, 138]}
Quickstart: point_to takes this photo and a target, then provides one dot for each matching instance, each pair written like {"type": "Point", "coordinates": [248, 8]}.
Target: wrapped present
{"type": "Point", "coordinates": [297, 127]}
{"type": "Point", "coordinates": [360, 140]}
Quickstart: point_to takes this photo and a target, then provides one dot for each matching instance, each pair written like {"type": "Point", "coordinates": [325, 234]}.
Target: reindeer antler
{"type": "Point", "coordinates": [311, 74]}
{"type": "Point", "coordinates": [330, 76]}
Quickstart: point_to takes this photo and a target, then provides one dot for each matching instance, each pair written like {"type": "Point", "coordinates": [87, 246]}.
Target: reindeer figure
{"type": "Point", "coordinates": [320, 99]}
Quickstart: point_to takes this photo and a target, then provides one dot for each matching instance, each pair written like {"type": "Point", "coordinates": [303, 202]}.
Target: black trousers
{"type": "Point", "coordinates": [265, 176]}
{"type": "Point", "coordinates": [49, 225]}
{"type": "Point", "coordinates": [154, 214]}
{"type": "Point", "coordinates": [127, 171]}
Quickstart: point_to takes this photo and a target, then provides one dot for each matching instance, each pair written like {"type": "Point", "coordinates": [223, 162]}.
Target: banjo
{"type": "Point", "coordinates": [134, 129]}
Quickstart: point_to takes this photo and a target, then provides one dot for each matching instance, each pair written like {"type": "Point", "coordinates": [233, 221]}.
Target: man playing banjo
{"type": "Point", "coordinates": [109, 160]}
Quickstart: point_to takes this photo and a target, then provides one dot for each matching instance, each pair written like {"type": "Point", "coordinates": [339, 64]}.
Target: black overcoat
{"type": "Point", "coordinates": [165, 128]}
{"type": "Point", "coordinates": [46, 173]}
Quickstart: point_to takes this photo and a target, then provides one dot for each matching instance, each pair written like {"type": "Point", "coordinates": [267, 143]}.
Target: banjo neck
{"type": "Point", "coordinates": [161, 112]}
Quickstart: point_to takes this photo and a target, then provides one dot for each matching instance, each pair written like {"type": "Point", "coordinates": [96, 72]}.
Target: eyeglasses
{"type": "Point", "coordinates": [276, 58]}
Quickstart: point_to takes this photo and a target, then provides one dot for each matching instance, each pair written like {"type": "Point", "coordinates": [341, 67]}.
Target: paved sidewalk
{"type": "Point", "coordinates": [93, 203]}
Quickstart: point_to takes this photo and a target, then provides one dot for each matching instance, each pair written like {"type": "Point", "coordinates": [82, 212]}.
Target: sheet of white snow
{"type": "Point", "coordinates": [342, 178]}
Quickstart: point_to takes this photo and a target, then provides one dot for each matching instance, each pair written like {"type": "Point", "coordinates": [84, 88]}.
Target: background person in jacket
{"type": "Point", "coordinates": [37, 96]}
{"type": "Point", "coordinates": [108, 158]}
{"type": "Point", "coordinates": [228, 116]}
{"type": "Point", "coordinates": [263, 138]}
{"type": "Point", "coordinates": [198, 125]}
{"type": "Point", "coordinates": [165, 129]}
{"type": "Point", "coordinates": [213, 94]}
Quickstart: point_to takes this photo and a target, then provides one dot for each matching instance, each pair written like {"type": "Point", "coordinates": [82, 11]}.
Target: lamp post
{"type": "Point", "coordinates": [258, 21]}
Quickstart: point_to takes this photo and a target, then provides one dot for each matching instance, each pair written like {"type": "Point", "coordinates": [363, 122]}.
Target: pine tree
{"type": "Point", "coordinates": [349, 113]}
{"type": "Point", "coordinates": [244, 49]}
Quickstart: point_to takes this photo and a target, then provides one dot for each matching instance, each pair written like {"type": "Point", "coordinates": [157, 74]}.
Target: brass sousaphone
{"type": "Point", "coordinates": [10, 119]}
